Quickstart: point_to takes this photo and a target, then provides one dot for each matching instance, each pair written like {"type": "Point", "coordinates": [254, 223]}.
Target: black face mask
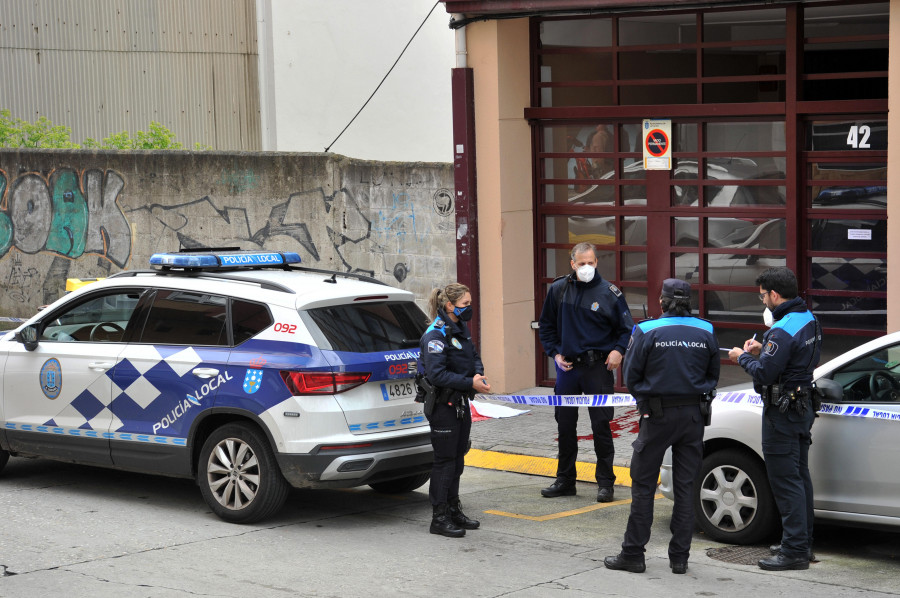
{"type": "Point", "coordinates": [463, 313]}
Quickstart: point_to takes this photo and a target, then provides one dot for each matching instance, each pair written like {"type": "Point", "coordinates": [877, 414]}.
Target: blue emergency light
{"type": "Point", "coordinates": [215, 260]}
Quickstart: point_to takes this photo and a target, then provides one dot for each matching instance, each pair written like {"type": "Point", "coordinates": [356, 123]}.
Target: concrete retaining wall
{"type": "Point", "coordinates": [81, 214]}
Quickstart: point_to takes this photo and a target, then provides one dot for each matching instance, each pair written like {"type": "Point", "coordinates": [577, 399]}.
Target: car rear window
{"type": "Point", "coordinates": [248, 319]}
{"type": "Point", "coordinates": [368, 327]}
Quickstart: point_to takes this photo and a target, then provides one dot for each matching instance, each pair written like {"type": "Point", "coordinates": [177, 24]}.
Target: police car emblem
{"type": "Point", "coordinates": [51, 378]}
{"type": "Point", "coordinates": [435, 347]}
{"type": "Point", "coordinates": [455, 343]}
{"type": "Point", "coordinates": [252, 380]}
{"type": "Point", "coordinates": [595, 306]}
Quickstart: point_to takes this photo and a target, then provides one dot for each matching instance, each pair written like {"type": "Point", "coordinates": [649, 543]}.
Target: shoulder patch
{"type": "Point", "coordinates": [615, 290]}
{"type": "Point", "coordinates": [435, 347]}
{"type": "Point", "coordinates": [771, 348]}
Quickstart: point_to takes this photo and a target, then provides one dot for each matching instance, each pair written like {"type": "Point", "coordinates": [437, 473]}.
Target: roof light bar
{"type": "Point", "coordinates": [215, 260]}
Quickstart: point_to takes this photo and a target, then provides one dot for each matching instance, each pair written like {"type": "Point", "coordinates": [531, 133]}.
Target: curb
{"type": "Point", "coordinates": [542, 466]}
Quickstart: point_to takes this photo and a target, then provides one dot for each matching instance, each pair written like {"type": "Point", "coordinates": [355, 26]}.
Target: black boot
{"type": "Point", "coordinates": [442, 524]}
{"type": "Point", "coordinates": [459, 518]}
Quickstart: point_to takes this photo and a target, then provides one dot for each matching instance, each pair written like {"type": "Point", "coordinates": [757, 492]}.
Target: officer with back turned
{"type": "Point", "coordinates": [782, 375]}
{"type": "Point", "coordinates": [671, 369]}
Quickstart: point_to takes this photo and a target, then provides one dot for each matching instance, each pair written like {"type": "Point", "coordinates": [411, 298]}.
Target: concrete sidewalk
{"type": "Point", "coordinates": [532, 437]}
{"type": "Point", "coordinates": [534, 433]}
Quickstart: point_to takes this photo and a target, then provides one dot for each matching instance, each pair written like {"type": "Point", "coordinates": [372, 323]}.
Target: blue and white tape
{"type": "Point", "coordinates": [626, 400]}
{"type": "Point", "coordinates": [613, 400]}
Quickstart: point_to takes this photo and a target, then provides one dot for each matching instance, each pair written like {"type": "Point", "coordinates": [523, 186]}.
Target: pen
{"type": "Point", "coordinates": [754, 337]}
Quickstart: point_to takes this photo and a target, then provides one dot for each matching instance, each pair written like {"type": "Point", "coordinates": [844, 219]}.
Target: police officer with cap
{"type": "Point", "coordinates": [584, 326]}
{"type": "Point", "coordinates": [782, 375]}
{"type": "Point", "coordinates": [671, 369]}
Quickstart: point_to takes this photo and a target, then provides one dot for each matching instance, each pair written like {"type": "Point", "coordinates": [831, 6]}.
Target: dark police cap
{"type": "Point", "coordinates": [675, 288]}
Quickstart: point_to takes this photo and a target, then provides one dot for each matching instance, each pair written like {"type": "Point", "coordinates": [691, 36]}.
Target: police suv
{"type": "Point", "coordinates": [242, 370]}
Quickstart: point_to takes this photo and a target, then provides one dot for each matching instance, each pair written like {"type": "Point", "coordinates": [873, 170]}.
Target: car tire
{"type": "Point", "coordinates": [401, 485]}
{"type": "Point", "coordinates": [733, 501]}
{"type": "Point", "coordinates": [4, 457]}
{"type": "Point", "coordinates": [239, 476]}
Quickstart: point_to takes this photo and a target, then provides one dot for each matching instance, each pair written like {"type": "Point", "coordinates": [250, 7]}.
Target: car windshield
{"type": "Point", "coordinates": [874, 377]}
{"type": "Point", "coordinates": [368, 327]}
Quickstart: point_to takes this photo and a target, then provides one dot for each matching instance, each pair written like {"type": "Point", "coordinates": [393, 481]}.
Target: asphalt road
{"type": "Point", "coordinates": [78, 531]}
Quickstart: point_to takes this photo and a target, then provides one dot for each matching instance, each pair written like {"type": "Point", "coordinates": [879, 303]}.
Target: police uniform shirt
{"type": "Point", "coordinates": [580, 316]}
{"type": "Point", "coordinates": [447, 354]}
{"type": "Point", "coordinates": [790, 350]}
{"type": "Point", "coordinates": [672, 356]}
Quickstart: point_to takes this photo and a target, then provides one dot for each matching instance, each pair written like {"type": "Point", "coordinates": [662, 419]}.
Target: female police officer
{"type": "Point", "coordinates": [451, 364]}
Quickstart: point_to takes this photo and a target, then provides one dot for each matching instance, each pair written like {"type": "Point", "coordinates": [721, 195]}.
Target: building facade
{"type": "Point", "coordinates": [237, 75]}
{"type": "Point", "coordinates": [766, 126]}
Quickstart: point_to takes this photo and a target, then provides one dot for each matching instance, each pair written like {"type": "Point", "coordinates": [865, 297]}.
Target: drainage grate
{"type": "Point", "coordinates": [739, 555]}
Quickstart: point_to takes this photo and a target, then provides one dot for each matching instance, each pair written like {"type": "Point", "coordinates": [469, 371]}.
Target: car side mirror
{"type": "Point", "coordinates": [28, 336]}
{"type": "Point", "coordinates": [831, 390]}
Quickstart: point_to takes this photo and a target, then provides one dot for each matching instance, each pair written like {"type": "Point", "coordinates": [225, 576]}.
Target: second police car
{"type": "Point", "coordinates": [244, 371]}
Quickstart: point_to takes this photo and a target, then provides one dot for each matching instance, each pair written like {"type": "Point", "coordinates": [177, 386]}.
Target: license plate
{"type": "Point", "coordinates": [401, 389]}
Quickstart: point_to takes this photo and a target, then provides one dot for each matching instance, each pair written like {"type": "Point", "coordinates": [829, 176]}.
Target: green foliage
{"type": "Point", "coordinates": [15, 132]}
{"type": "Point", "coordinates": [42, 133]}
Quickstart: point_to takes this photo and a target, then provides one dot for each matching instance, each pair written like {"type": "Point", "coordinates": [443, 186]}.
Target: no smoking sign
{"type": "Point", "coordinates": [657, 144]}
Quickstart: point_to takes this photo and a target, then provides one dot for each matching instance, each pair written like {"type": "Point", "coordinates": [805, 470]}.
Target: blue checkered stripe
{"type": "Point", "coordinates": [66, 431]}
{"type": "Point", "coordinates": [145, 387]}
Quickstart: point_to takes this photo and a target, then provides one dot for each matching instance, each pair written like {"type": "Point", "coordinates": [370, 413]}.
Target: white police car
{"type": "Point", "coordinates": [242, 370]}
{"type": "Point", "coordinates": [853, 459]}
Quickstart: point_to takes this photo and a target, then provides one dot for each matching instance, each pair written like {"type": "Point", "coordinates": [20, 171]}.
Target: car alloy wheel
{"type": "Point", "coordinates": [732, 499]}
{"type": "Point", "coordinates": [233, 473]}
{"type": "Point", "coordinates": [239, 476]}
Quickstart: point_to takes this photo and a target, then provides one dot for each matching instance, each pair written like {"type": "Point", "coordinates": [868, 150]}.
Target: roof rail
{"type": "Point", "coordinates": [220, 275]}
{"type": "Point", "coordinates": [335, 274]}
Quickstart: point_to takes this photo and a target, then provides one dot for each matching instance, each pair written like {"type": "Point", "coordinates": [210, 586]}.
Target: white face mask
{"type": "Point", "coordinates": [585, 273]}
{"type": "Point", "coordinates": [768, 318]}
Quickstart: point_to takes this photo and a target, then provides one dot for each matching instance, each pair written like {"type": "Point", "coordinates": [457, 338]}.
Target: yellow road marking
{"type": "Point", "coordinates": [551, 516]}
{"type": "Point", "coordinates": [542, 466]}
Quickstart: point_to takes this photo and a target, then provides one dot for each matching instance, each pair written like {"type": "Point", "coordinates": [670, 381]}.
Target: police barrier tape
{"type": "Point", "coordinates": [626, 400]}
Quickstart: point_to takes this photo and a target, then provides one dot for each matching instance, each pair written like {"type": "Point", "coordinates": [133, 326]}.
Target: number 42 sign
{"type": "Point", "coordinates": [858, 136]}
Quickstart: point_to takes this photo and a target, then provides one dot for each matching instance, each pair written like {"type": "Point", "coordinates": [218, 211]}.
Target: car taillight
{"type": "Point", "coordinates": [322, 383]}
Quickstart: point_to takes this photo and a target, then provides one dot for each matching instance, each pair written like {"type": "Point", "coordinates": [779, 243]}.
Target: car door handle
{"type": "Point", "coordinates": [100, 365]}
{"type": "Point", "coordinates": [205, 372]}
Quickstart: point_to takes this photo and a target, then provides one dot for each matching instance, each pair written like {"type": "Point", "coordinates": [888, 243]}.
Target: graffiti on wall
{"type": "Point", "coordinates": [230, 225]}
{"type": "Point", "coordinates": [69, 213]}
{"type": "Point", "coordinates": [377, 226]}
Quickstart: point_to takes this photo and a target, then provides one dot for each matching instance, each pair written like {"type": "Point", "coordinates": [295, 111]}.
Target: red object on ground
{"type": "Point", "coordinates": [476, 417]}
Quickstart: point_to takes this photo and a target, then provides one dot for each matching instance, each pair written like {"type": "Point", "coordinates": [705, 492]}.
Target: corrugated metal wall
{"type": "Point", "coordinates": [104, 66]}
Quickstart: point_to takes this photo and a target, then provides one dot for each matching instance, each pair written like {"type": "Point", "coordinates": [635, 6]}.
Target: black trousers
{"type": "Point", "coordinates": [785, 442]}
{"type": "Point", "coordinates": [450, 441]}
{"type": "Point", "coordinates": [682, 429]}
{"type": "Point", "coordinates": [595, 379]}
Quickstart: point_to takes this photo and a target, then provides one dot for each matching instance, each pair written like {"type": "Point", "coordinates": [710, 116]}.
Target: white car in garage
{"type": "Point", "coordinates": [854, 460]}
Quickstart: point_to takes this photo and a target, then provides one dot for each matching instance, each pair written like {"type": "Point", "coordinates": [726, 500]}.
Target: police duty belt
{"type": "Point", "coordinates": [626, 400]}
